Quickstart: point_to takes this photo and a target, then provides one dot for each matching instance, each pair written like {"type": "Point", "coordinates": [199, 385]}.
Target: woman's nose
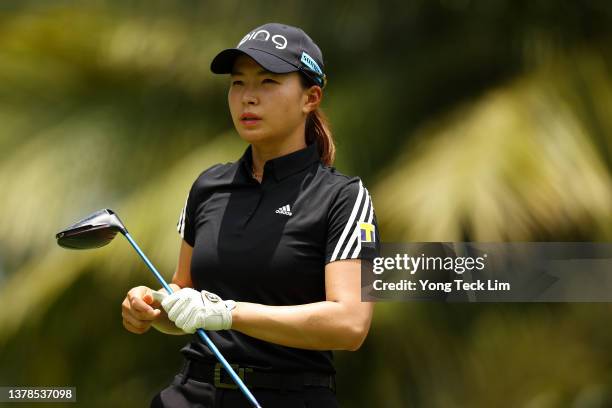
{"type": "Point", "coordinates": [249, 96]}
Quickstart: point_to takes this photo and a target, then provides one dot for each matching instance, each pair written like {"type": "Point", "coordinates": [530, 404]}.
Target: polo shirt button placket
{"type": "Point", "coordinates": [253, 209]}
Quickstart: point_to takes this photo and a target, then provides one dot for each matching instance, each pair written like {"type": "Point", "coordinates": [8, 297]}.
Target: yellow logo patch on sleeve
{"type": "Point", "coordinates": [366, 232]}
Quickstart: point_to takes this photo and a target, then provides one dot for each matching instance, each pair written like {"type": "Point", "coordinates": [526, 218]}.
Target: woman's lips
{"type": "Point", "coordinates": [249, 119]}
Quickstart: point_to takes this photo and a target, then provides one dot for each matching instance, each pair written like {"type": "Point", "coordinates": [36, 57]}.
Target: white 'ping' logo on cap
{"type": "Point", "coordinates": [264, 35]}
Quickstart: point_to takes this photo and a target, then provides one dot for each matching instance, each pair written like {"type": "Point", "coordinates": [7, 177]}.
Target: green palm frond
{"type": "Point", "coordinates": [519, 164]}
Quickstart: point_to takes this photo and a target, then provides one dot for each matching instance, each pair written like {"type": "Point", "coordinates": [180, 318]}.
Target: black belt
{"type": "Point", "coordinates": [216, 374]}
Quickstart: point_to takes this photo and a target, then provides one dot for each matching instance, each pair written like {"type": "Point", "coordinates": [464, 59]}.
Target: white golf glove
{"type": "Point", "coordinates": [191, 310]}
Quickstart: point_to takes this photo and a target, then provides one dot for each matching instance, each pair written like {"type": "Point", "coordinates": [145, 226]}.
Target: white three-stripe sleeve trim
{"type": "Point", "coordinates": [180, 221]}
{"type": "Point", "coordinates": [356, 230]}
{"type": "Point", "coordinates": [181, 225]}
{"type": "Point", "coordinates": [347, 227]}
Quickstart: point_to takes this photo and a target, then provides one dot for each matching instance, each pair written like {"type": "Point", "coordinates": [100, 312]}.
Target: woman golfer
{"type": "Point", "coordinates": [269, 263]}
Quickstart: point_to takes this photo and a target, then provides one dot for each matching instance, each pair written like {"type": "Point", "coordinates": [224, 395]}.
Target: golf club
{"type": "Point", "coordinates": [98, 230]}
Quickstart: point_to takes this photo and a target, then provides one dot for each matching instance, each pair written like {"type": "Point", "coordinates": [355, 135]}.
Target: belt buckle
{"type": "Point", "coordinates": [232, 386]}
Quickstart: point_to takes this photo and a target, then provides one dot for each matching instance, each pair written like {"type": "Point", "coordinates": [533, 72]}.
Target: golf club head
{"type": "Point", "coordinates": [94, 231]}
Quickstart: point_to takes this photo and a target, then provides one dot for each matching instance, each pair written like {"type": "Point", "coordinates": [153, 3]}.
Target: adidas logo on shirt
{"type": "Point", "coordinates": [285, 210]}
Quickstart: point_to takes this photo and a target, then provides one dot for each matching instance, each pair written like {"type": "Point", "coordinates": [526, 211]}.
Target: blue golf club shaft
{"type": "Point", "coordinates": [200, 332]}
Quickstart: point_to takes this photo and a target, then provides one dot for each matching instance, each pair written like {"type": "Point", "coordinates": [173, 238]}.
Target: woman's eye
{"type": "Point", "coordinates": [268, 80]}
{"type": "Point", "coordinates": [237, 83]}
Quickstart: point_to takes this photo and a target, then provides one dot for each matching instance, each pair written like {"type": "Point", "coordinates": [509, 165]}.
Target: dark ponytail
{"type": "Point", "coordinates": [317, 129]}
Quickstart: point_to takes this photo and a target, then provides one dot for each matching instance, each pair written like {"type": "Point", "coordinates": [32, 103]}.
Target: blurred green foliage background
{"type": "Point", "coordinates": [483, 120]}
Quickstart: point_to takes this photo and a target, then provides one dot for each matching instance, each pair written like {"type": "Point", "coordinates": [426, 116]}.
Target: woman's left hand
{"type": "Point", "coordinates": [191, 310]}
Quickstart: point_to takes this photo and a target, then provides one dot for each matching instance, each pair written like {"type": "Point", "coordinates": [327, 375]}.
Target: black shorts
{"type": "Point", "coordinates": [190, 393]}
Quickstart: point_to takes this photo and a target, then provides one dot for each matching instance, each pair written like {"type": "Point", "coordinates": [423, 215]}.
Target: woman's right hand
{"type": "Point", "coordinates": [139, 309]}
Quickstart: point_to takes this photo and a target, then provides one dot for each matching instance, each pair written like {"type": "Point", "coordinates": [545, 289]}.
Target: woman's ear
{"type": "Point", "coordinates": [314, 96]}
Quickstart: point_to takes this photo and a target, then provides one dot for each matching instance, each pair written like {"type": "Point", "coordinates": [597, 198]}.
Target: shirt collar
{"type": "Point", "coordinates": [286, 165]}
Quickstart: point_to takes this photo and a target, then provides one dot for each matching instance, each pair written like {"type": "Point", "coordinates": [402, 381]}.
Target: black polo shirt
{"type": "Point", "coordinates": [268, 243]}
